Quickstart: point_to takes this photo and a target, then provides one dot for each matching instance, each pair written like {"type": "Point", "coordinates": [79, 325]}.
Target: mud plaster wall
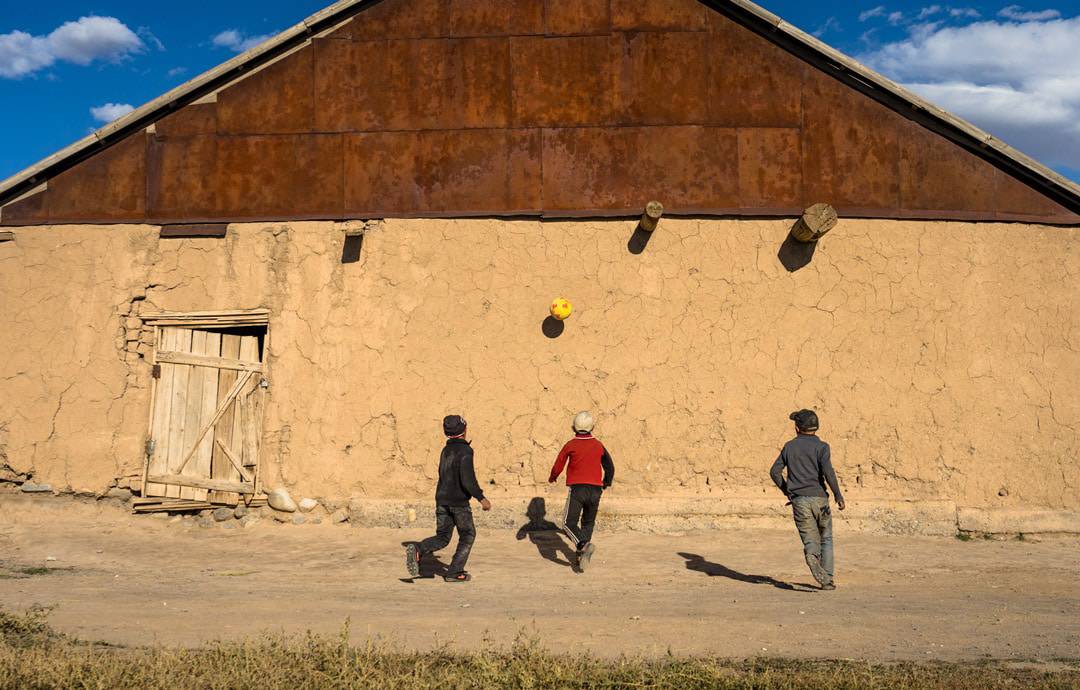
{"type": "Point", "coordinates": [942, 357]}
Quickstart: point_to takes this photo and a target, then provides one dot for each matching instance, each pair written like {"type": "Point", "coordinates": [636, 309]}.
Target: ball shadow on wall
{"type": "Point", "coordinates": [794, 254]}
{"type": "Point", "coordinates": [552, 327]}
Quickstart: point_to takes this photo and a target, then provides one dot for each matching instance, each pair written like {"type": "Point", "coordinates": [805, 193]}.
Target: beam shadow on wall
{"type": "Point", "coordinates": [639, 240]}
{"type": "Point", "coordinates": [794, 254]}
{"type": "Point", "coordinates": [552, 327]}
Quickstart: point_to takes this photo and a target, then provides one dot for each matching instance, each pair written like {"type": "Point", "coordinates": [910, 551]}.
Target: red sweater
{"type": "Point", "coordinates": [589, 462]}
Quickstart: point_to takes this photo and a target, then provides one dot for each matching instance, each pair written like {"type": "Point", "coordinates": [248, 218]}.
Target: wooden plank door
{"type": "Point", "coordinates": [206, 418]}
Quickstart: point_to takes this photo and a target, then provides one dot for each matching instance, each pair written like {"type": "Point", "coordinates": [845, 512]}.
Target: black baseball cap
{"type": "Point", "coordinates": [805, 420]}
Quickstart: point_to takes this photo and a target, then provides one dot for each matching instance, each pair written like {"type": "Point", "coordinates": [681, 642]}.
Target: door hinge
{"type": "Point", "coordinates": [155, 371]}
{"type": "Point", "coordinates": [150, 445]}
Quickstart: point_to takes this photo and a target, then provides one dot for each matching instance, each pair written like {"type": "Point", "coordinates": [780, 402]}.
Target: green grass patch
{"type": "Point", "coordinates": [33, 656]}
{"type": "Point", "coordinates": [36, 570]}
{"type": "Point", "coordinates": [963, 536]}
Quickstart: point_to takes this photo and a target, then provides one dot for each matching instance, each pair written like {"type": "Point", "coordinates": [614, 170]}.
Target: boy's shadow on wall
{"type": "Point", "coordinates": [699, 564]}
{"type": "Point", "coordinates": [545, 534]}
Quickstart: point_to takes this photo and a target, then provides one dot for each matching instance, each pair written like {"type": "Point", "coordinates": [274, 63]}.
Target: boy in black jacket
{"type": "Point", "coordinates": [457, 484]}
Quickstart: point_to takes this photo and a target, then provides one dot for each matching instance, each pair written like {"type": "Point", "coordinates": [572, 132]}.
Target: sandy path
{"type": "Point", "coordinates": [140, 580]}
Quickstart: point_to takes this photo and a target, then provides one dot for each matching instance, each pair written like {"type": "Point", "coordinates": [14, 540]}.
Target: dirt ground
{"type": "Point", "coordinates": [732, 593]}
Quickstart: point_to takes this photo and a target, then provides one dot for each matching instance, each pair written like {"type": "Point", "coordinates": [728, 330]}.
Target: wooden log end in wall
{"type": "Point", "coordinates": [653, 211]}
{"type": "Point", "coordinates": [815, 222]}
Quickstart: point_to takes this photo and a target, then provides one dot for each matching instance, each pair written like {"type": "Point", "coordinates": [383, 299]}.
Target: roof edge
{"type": "Point", "coordinates": [179, 96]}
{"type": "Point", "coordinates": [1062, 189]}
{"type": "Point", "coordinates": [1051, 183]}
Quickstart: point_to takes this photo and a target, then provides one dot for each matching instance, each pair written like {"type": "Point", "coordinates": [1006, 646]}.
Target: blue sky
{"type": "Point", "coordinates": [67, 67]}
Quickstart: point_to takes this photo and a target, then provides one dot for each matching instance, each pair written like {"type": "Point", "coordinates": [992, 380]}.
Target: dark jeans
{"type": "Point", "coordinates": [446, 519]}
{"type": "Point", "coordinates": [583, 504]}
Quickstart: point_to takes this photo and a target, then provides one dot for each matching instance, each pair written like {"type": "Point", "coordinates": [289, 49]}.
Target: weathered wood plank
{"type": "Point", "coordinates": [249, 350]}
{"type": "Point", "coordinates": [154, 315]}
{"type": "Point", "coordinates": [203, 483]}
{"type": "Point", "coordinates": [200, 465]}
{"type": "Point", "coordinates": [193, 413]}
{"type": "Point", "coordinates": [150, 420]}
{"type": "Point", "coordinates": [235, 462]}
{"type": "Point", "coordinates": [241, 381]}
{"type": "Point", "coordinates": [220, 467]}
{"type": "Point", "coordinates": [158, 461]}
{"type": "Point", "coordinates": [200, 360]}
{"type": "Point", "coordinates": [178, 407]}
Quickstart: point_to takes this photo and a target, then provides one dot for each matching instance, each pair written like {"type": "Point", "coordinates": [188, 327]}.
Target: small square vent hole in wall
{"type": "Point", "coordinates": [205, 427]}
{"type": "Point", "coordinates": [354, 232]}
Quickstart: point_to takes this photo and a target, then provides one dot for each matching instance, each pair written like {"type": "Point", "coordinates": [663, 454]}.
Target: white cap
{"type": "Point", "coordinates": [583, 421]}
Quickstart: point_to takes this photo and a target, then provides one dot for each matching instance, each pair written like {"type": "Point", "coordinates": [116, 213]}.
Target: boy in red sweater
{"type": "Point", "coordinates": [590, 471]}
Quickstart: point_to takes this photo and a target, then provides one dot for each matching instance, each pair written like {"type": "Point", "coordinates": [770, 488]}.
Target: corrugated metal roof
{"type": "Point", "coordinates": [751, 15]}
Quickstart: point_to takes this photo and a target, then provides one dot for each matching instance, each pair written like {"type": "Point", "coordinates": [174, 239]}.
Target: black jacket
{"type": "Point", "coordinates": [457, 478]}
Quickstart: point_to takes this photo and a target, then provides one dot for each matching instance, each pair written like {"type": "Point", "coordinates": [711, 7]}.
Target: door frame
{"type": "Point", "coordinates": [236, 318]}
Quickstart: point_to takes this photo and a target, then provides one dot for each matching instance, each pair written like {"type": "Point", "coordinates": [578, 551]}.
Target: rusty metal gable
{"type": "Point", "coordinates": [536, 107]}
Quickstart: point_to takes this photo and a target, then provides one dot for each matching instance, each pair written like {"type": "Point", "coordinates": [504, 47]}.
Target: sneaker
{"type": "Point", "coordinates": [460, 577]}
{"type": "Point", "coordinates": [816, 570]}
{"type": "Point", "coordinates": [585, 556]}
{"type": "Point", "coordinates": [828, 587]}
{"type": "Point", "coordinates": [412, 560]}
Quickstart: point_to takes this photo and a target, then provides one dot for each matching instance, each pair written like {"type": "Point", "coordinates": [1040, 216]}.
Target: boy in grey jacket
{"type": "Point", "coordinates": [809, 468]}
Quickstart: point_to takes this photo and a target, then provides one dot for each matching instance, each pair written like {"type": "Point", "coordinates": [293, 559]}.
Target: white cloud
{"type": "Point", "coordinates": [1017, 14]}
{"type": "Point", "coordinates": [929, 11]}
{"type": "Point", "coordinates": [831, 24]}
{"type": "Point", "coordinates": [93, 38]}
{"type": "Point", "coordinates": [964, 12]}
{"type": "Point", "coordinates": [896, 17]}
{"type": "Point", "coordinates": [81, 42]}
{"type": "Point", "coordinates": [177, 71]}
{"type": "Point", "coordinates": [111, 111]}
{"type": "Point", "coordinates": [237, 41]}
{"type": "Point", "coordinates": [1018, 80]}
{"type": "Point", "coordinates": [878, 11]}
{"type": "Point", "coordinates": [22, 54]}
{"type": "Point", "coordinates": [147, 35]}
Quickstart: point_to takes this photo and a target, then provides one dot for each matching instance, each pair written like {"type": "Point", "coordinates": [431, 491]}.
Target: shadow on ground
{"type": "Point", "coordinates": [699, 564]}
{"type": "Point", "coordinates": [545, 534]}
{"type": "Point", "coordinates": [430, 567]}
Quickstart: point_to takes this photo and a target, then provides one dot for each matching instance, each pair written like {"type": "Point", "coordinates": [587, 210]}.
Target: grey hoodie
{"type": "Point", "coordinates": [809, 467]}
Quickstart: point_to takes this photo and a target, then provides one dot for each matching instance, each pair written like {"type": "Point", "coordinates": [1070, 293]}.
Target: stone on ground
{"type": "Point", "coordinates": [279, 499]}
{"type": "Point", "coordinates": [240, 511]}
{"type": "Point", "coordinates": [222, 514]}
{"type": "Point", "coordinates": [340, 516]}
{"type": "Point", "coordinates": [32, 488]}
{"type": "Point", "coordinates": [307, 505]}
{"type": "Point", "coordinates": [119, 494]}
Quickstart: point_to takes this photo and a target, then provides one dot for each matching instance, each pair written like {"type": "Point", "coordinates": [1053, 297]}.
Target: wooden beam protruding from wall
{"type": "Point", "coordinates": [651, 218]}
{"type": "Point", "coordinates": [815, 222]}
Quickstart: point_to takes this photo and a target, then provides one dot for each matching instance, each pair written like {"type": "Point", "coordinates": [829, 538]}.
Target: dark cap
{"type": "Point", "coordinates": [805, 420]}
{"type": "Point", "coordinates": [453, 425]}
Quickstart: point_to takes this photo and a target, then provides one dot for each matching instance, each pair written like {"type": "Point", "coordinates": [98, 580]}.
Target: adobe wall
{"type": "Point", "coordinates": [942, 357]}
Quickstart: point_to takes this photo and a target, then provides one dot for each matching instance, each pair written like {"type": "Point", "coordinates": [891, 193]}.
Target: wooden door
{"type": "Point", "coordinates": [207, 415]}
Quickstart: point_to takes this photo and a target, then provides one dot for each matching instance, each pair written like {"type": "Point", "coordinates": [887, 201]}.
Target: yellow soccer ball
{"type": "Point", "coordinates": [561, 309]}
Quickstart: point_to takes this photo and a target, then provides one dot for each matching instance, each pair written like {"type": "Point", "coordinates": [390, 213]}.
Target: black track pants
{"type": "Point", "coordinates": [582, 505]}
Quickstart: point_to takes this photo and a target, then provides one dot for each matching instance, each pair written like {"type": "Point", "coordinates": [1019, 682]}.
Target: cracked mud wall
{"type": "Point", "coordinates": [942, 357]}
